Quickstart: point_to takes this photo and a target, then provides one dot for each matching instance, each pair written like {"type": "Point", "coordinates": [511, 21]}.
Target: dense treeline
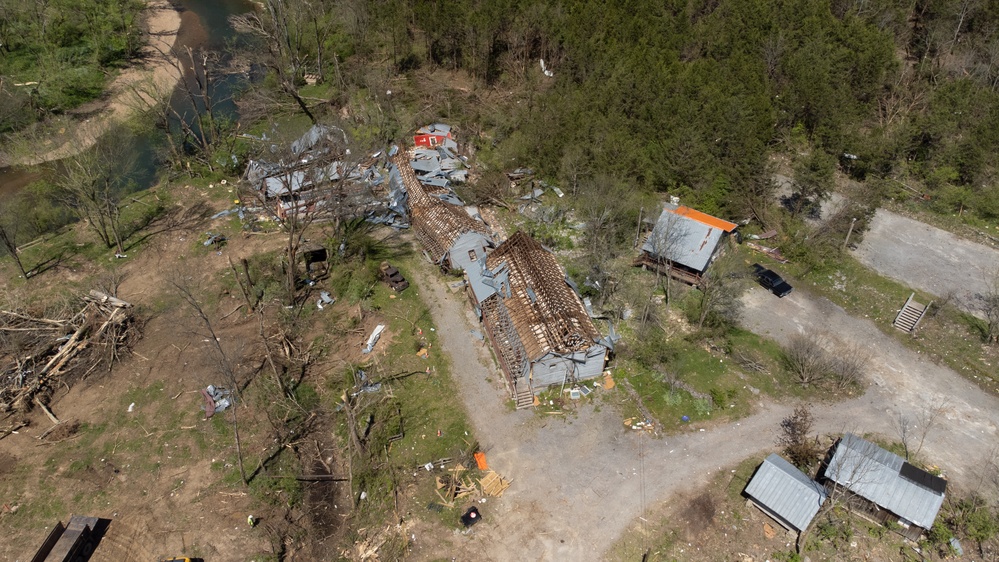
{"type": "Point", "coordinates": [60, 52]}
{"type": "Point", "coordinates": [692, 96]}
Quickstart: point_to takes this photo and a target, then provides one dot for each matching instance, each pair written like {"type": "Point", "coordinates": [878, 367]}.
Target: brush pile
{"type": "Point", "coordinates": [37, 354]}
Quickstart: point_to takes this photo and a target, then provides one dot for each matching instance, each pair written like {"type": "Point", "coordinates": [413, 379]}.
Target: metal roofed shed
{"type": "Point", "coordinates": [785, 493]}
{"type": "Point", "coordinates": [894, 486]}
{"type": "Point", "coordinates": [692, 237]}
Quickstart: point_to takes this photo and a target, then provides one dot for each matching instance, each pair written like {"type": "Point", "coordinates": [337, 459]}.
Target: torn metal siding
{"type": "Point", "coordinates": [527, 292]}
{"type": "Point", "coordinates": [577, 366]}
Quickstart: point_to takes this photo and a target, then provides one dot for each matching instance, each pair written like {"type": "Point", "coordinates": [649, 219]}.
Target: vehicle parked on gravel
{"type": "Point", "coordinates": [771, 281]}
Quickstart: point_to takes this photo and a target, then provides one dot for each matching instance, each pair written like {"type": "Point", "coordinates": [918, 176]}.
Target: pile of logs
{"type": "Point", "coordinates": [37, 353]}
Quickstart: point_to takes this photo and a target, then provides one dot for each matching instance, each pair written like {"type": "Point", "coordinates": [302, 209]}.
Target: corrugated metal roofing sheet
{"type": "Point", "coordinates": [874, 474]}
{"type": "Point", "coordinates": [786, 491]}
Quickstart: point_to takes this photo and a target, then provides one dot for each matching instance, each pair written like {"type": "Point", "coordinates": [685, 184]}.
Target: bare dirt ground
{"type": "Point", "coordinates": [149, 470]}
{"type": "Point", "coordinates": [138, 88]}
{"type": "Point", "coordinates": [580, 481]}
{"type": "Point", "coordinates": [929, 259]}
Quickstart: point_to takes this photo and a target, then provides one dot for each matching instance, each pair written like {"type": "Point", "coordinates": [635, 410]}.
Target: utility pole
{"type": "Point", "coordinates": [638, 231]}
{"type": "Point", "coordinates": [848, 233]}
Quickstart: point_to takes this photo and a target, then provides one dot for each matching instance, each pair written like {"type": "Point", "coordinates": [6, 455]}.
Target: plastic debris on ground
{"type": "Point", "coordinates": [370, 345]}
{"type": "Point", "coordinates": [324, 300]}
{"type": "Point", "coordinates": [216, 400]}
{"type": "Point", "coordinates": [480, 460]}
{"type": "Point", "coordinates": [471, 517]}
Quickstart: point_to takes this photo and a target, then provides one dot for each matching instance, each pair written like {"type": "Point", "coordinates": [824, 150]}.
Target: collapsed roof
{"type": "Point", "coordinates": [546, 313]}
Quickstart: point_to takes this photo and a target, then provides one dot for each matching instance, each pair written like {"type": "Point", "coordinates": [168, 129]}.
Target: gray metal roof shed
{"type": "Point", "coordinates": [885, 479]}
{"type": "Point", "coordinates": [785, 493]}
{"type": "Point", "coordinates": [692, 236]}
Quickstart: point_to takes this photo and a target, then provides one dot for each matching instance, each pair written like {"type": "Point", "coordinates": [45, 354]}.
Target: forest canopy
{"type": "Point", "coordinates": [693, 96]}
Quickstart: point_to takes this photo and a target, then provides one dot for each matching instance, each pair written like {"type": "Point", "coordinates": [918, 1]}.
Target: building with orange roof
{"type": "Point", "coordinates": [684, 242]}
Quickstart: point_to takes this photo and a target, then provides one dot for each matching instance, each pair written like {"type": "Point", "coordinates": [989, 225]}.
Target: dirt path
{"type": "Point", "coordinates": [928, 258]}
{"type": "Point", "coordinates": [136, 89]}
{"type": "Point", "coordinates": [580, 482]}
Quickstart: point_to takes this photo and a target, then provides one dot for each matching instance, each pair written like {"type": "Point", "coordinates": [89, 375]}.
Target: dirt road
{"type": "Point", "coordinates": [580, 482]}
{"type": "Point", "coordinates": [928, 258]}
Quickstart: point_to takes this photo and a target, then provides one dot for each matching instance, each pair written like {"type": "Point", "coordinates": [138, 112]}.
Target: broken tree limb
{"type": "Point", "coordinates": [12, 429]}
{"type": "Point", "coordinates": [105, 298]}
{"type": "Point", "coordinates": [48, 431]}
{"type": "Point", "coordinates": [48, 412]}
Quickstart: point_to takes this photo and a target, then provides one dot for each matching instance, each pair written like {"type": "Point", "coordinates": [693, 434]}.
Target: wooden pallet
{"type": "Point", "coordinates": [493, 484]}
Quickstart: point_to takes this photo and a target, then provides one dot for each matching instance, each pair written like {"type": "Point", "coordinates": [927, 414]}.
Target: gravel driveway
{"type": "Point", "coordinates": [578, 483]}
{"type": "Point", "coordinates": [928, 258]}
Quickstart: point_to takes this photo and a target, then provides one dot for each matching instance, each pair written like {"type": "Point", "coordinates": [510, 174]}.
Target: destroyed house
{"type": "Point", "coordinates": [684, 241]}
{"type": "Point", "coordinates": [887, 488]}
{"type": "Point", "coordinates": [785, 493]}
{"type": "Point", "coordinates": [536, 322]}
{"type": "Point", "coordinates": [449, 235]}
{"type": "Point", "coordinates": [434, 135]}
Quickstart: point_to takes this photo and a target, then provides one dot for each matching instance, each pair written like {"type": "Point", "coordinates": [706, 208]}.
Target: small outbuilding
{"type": "Point", "coordinates": [889, 487]}
{"type": "Point", "coordinates": [684, 242]}
{"type": "Point", "coordinates": [785, 493]}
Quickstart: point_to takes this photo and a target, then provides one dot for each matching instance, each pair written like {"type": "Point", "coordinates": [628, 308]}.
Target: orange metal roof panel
{"type": "Point", "coordinates": [703, 218]}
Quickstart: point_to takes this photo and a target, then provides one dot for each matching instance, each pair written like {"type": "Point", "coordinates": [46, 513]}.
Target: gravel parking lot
{"type": "Point", "coordinates": [929, 259]}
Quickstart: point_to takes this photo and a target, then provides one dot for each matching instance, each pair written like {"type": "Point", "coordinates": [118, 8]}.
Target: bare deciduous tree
{"type": "Point", "coordinates": [9, 227]}
{"type": "Point", "coordinates": [912, 430]}
{"type": "Point", "coordinates": [224, 364]}
{"type": "Point", "coordinates": [806, 359]}
{"type": "Point", "coordinates": [93, 182]}
{"type": "Point", "coordinates": [990, 309]}
{"type": "Point", "coordinates": [795, 440]}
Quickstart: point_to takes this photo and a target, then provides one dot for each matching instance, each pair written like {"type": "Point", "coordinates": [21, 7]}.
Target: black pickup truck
{"type": "Point", "coordinates": [771, 281]}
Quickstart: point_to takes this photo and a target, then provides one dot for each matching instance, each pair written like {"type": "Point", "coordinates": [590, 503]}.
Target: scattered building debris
{"type": "Point", "coordinates": [217, 240]}
{"type": "Point", "coordinates": [493, 484]}
{"type": "Point", "coordinates": [772, 252]}
{"type": "Point", "coordinates": [370, 345]}
{"type": "Point", "coordinates": [536, 322]}
{"type": "Point", "coordinates": [391, 275]}
{"type": "Point", "coordinates": [54, 350]}
{"type": "Point", "coordinates": [435, 135]}
{"type": "Point", "coordinates": [74, 541]}
{"type": "Point", "coordinates": [319, 181]}
{"type": "Point", "coordinates": [532, 315]}
{"type": "Point", "coordinates": [324, 300]}
{"type": "Point", "coordinates": [216, 400]}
